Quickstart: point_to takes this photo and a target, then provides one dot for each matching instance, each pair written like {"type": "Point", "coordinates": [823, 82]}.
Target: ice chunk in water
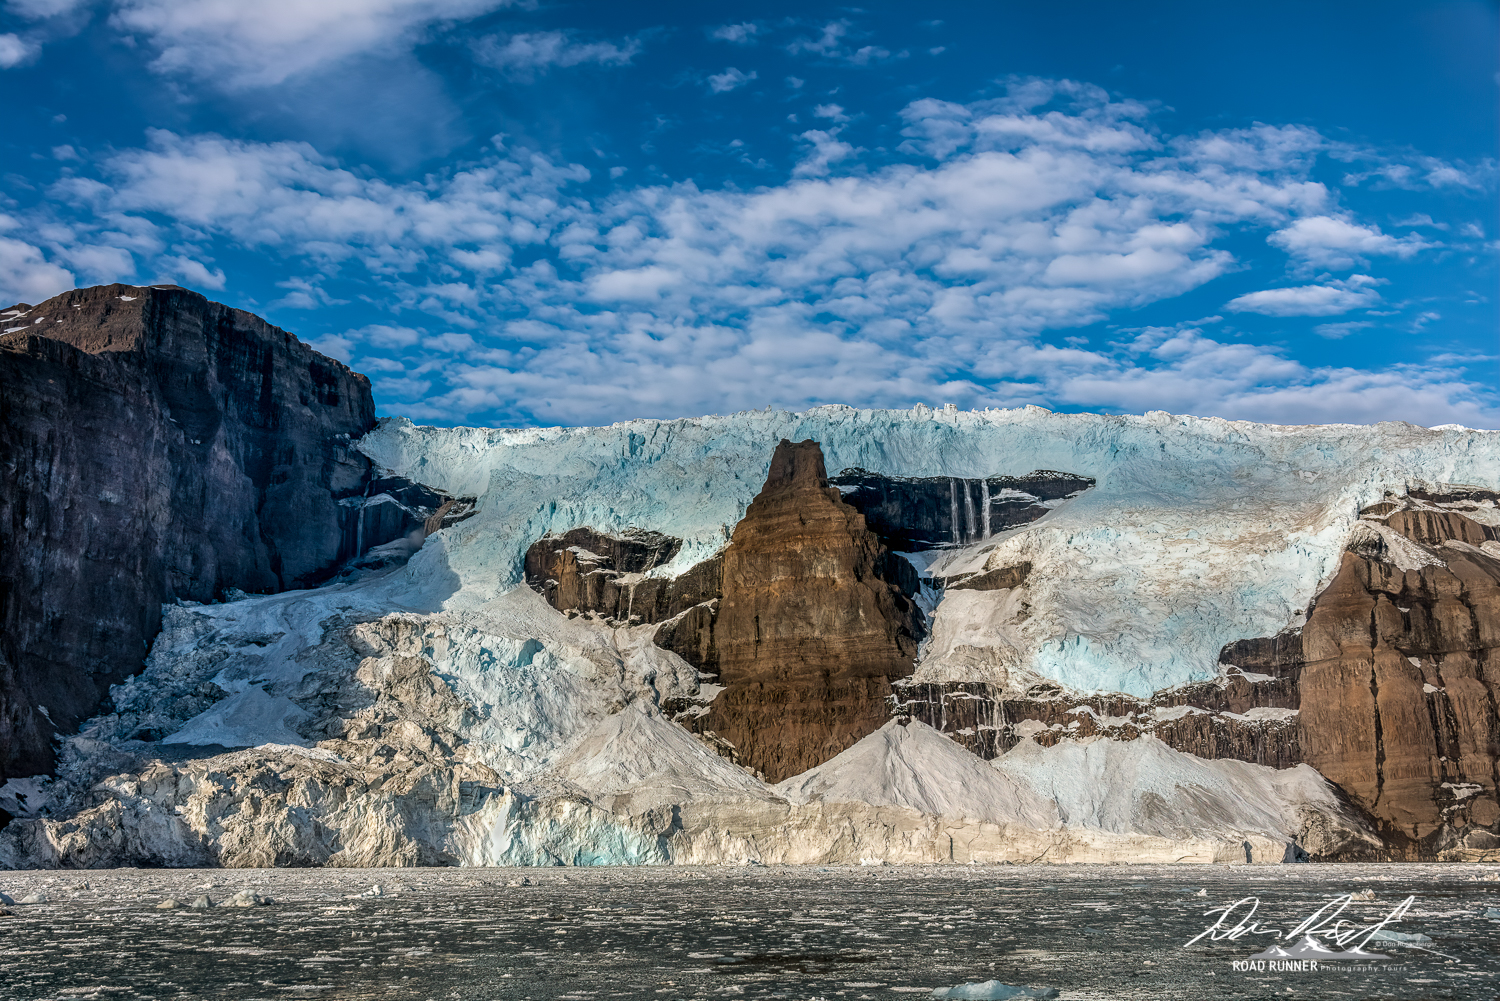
{"type": "Point", "coordinates": [993, 990]}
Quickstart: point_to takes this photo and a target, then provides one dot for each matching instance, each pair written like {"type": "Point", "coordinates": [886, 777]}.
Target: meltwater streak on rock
{"type": "Point", "coordinates": [812, 627]}
{"type": "Point", "coordinates": [916, 513]}
{"type": "Point", "coordinates": [157, 446]}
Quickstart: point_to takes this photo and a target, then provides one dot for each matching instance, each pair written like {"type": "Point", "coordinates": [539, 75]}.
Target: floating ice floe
{"type": "Point", "coordinates": [993, 990]}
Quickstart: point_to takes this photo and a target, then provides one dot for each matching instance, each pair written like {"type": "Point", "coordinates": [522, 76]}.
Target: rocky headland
{"type": "Point", "coordinates": [158, 447]}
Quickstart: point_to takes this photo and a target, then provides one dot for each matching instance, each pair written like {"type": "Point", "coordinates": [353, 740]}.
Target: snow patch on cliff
{"type": "Point", "coordinates": [637, 759]}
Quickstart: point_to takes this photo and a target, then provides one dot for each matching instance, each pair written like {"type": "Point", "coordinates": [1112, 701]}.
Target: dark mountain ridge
{"type": "Point", "coordinates": [158, 447]}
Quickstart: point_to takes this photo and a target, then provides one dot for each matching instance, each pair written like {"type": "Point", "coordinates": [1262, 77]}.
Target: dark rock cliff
{"type": "Point", "coordinates": [157, 446]}
{"type": "Point", "coordinates": [583, 571]}
{"type": "Point", "coordinates": [915, 513]}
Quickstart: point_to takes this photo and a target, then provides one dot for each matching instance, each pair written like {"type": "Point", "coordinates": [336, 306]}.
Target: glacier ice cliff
{"type": "Point", "coordinates": [443, 712]}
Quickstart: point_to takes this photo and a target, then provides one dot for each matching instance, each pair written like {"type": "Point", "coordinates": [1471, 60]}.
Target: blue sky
{"type": "Point", "coordinates": [577, 213]}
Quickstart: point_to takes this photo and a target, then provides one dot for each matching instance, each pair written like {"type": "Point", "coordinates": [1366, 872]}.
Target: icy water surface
{"type": "Point", "coordinates": [802, 933]}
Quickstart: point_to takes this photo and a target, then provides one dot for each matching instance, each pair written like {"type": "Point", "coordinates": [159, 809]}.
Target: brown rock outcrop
{"type": "Point", "coordinates": [583, 571]}
{"type": "Point", "coordinates": [1401, 681]}
{"type": "Point", "coordinates": [157, 446]}
{"type": "Point", "coordinates": [812, 626]}
{"type": "Point", "coordinates": [998, 579]}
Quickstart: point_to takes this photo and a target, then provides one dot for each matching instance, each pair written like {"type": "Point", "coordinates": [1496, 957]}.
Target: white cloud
{"type": "Point", "coordinates": [234, 45]}
{"type": "Point", "coordinates": [859, 279]}
{"type": "Point", "coordinates": [1329, 299]}
{"type": "Point", "coordinates": [525, 55]}
{"type": "Point", "coordinates": [335, 346]}
{"type": "Point", "coordinates": [827, 149]}
{"type": "Point", "coordinates": [26, 275]}
{"type": "Point", "coordinates": [383, 336]}
{"type": "Point", "coordinates": [15, 50]}
{"type": "Point", "coordinates": [1324, 241]}
{"type": "Point", "coordinates": [1423, 319]}
{"type": "Point", "coordinates": [830, 44]}
{"type": "Point", "coordinates": [834, 112]}
{"type": "Point", "coordinates": [740, 34]}
{"type": "Point", "coordinates": [728, 80]}
{"type": "Point", "coordinates": [450, 343]}
{"type": "Point", "coordinates": [39, 10]}
{"type": "Point", "coordinates": [1414, 173]}
{"type": "Point", "coordinates": [286, 194]}
{"type": "Point", "coordinates": [96, 262]}
{"type": "Point", "coordinates": [1420, 219]}
{"type": "Point", "coordinates": [1337, 331]}
{"type": "Point", "coordinates": [194, 273]}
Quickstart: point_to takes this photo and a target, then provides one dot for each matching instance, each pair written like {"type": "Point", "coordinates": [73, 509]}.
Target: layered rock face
{"type": "Point", "coordinates": [157, 446]}
{"type": "Point", "coordinates": [582, 571]}
{"type": "Point", "coordinates": [1236, 717]}
{"type": "Point", "coordinates": [1249, 713]}
{"type": "Point", "coordinates": [813, 625]}
{"type": "Point", "coordinates": [1401, 676]}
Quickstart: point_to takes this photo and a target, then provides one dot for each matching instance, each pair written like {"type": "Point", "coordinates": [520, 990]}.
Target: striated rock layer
{"type": "Point", "coordinates": [813, 625]}
{"type": "Point", "coordinates": [157, 447]}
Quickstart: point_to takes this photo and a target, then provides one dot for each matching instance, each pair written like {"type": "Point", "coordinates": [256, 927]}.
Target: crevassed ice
{"type": "Point", "coordinates": [1199, 531]}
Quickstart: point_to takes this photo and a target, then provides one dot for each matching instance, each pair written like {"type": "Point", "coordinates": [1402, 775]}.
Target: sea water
{"type": "Point", "coordinates": [875, 932]}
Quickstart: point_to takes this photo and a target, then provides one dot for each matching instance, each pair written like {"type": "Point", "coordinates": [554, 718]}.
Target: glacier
{"type": "Point", "coordinates": [444, 713]}
{"type": "Point", "coordinates": [1198, 532]}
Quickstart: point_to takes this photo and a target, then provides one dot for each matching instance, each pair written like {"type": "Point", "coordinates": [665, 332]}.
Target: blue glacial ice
{"type": "Point", "coordinates": [1199, 531]}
